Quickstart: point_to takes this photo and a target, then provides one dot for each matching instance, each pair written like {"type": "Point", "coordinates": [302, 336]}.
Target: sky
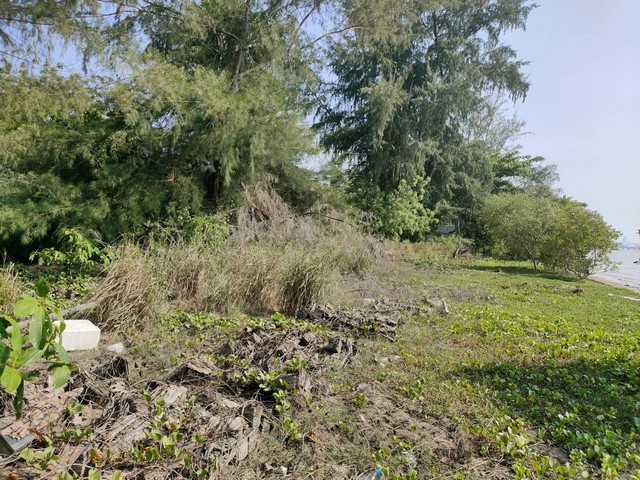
{"type": "Point", "coordinates": [583, 107]}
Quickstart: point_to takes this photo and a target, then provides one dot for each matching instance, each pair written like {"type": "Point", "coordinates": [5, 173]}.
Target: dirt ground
{"type": "Point", "coordinates": [261, 403]}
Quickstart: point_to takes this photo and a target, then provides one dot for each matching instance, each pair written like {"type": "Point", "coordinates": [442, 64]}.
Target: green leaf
{"type": "Point", "coordinates": [4, 354]}
{"type": "Point", "coordinates": [11, 379]}
{"type": "Point", "coordinates": [35, 332]}
{"type": "Point", "coordinates": [94, 474]}
{"type": "Point", "coordinates": [61, 351]}
{"type": "Point", "coordinates": [31, 356]}
{"type": "Point", "coordinates": [42, 287]}
{"type": "Point", "coordinates": [28, 455]}
{"type": "Point", "coordinates": [16, 337]}
{"type": "Point", "coordinates": [60, 375]}
{"type": "Point", "coordinates": [5, 321]}
{"type": "Point", "coordinates": [18, 400]}
{"type": "Point", "coordinates": [26, 307]}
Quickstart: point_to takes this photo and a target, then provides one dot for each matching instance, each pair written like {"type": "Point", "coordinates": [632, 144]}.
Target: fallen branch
{"type": "Point", "coordinates": [85, 307]}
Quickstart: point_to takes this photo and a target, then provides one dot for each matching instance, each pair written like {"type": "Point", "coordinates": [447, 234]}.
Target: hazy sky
{"type": "Point", "coordinates": [583, 106]}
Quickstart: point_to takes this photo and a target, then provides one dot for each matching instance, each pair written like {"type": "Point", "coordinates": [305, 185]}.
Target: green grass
{"type": "Point", "coordinates": [542, 373]}
{"type": "Point", "coordinates": [541, 370]}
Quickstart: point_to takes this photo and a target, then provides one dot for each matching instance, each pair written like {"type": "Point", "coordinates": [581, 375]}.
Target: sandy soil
{"type": "Point", "coordinates": [609, 281]}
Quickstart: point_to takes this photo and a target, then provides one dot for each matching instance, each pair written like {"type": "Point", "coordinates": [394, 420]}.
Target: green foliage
{"type": "Point", "coordinates": [406, 88]}
{"type": "Point", "coordinates": [401, 215]}
{"type": "Point", "coordinates": [165, 440]}
{"type": "Point", "coordinates": [558, 232]}
{"type": "Point", "coordinates": [582, 242]}
{"type": "Point", "coordinates": [27, 29]}
{"type": "Point", "coordinates": [182, 321]}
{"type": "Point", "coordinates": [40, 345]}
{"type": "Point", "coordinates": [541, 369]}
{"type": "Point", "coordinates": [39, 459]}
{"type": "Point", "coordinates": [193, 122]}
{"type": "Point", "coordinates": [514, 172]}
{"type": "Point", "coordinates": [76, 251]}
{"type": "Point", "coordinates": [207, 231]}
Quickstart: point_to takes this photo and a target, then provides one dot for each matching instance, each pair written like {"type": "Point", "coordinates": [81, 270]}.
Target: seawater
{"type": "Point", "coordinates": [627, 272]}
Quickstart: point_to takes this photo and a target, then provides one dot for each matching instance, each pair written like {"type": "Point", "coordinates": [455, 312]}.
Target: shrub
{"type": "Point", "coordinates": [558, 232]}
{"type": "Point", "coordinates": [402, 215]}
{"type": "Point", "coordinates": [75, 250]}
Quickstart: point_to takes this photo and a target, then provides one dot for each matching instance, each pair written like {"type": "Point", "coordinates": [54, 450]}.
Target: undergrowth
{"type": "Point", "coordinates": [272, 260]}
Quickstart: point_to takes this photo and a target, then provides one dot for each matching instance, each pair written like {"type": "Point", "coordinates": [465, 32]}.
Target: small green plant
{"type": "Point", "coordinates": [39, 459]}
{"type": "Point", "coordinates": [76, 251]}
{"type": "Point", "coordinates": [184, 320]}
{"type": "Point", "coordinates": [345, 427]}
{"type": "Point", "coordinates": [295, 364]}
{"type": "Point", "coordinates": [40, 345]}
{"type": "Point", "coordinates": [292, 430]}
{"type": "Point", "coordinates": [163, 439]}
{"type": "Point", "coordinates": [415, 391]}
{"type": "Point", "coordinates": [92, 474]}
{"type": "Point", "coordinates": [360, 400]}
{"type": "Point", "coordinates": [74, 435]}
{"type": "Point", "coordinates": [268, 382]}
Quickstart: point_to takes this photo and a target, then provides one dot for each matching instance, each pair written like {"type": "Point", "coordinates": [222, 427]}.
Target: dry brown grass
{"type": "Point", "coordinates": [9, 288]}
{"type": "Point", "coordinates": [272, 261]}
{"type": "Point", "coordinates": [129, 297]}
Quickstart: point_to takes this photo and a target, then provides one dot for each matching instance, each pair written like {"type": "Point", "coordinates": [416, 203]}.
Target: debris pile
{"type": "Point", "coordinates": [207, 414]}
{"type": "Point", "coordinates": [381, 318]}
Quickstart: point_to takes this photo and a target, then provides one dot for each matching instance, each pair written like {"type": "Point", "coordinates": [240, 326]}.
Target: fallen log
{"type": "Point", "coordinates": [85, 307]}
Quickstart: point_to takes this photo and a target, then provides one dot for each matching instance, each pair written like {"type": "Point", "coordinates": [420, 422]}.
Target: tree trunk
{"type": "Point", "coordinates": [237, 68]}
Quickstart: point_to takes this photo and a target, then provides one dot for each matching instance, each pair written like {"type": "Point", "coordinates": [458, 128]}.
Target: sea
{"type": "Point", "coordinates": [627, 273]}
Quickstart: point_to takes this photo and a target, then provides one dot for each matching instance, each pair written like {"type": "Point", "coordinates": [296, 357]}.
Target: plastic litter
{"type": "Point", "coordinates": [371, 475]}
{"type": "Point", "coordinates": [409, 458]}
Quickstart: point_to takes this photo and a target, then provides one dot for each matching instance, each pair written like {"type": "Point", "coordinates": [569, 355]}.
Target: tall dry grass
{"type": "Point", "coordinates": [272, 260]}
{"type": "Point", "coordinates": [10, 288]}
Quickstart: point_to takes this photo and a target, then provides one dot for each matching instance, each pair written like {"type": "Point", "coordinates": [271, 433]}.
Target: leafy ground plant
{"type": "Point", "coordinates": [40, 345]}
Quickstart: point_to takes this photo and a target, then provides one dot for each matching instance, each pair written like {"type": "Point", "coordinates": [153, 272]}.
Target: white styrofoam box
{"type": "Point", "coordinates": [80, 335]}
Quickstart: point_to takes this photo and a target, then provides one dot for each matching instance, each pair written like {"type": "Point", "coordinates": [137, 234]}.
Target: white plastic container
{"type": "Point", "coordinates": [80, 335]}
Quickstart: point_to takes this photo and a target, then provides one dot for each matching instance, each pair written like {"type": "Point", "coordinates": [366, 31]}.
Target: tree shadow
{"type": "Point", "coordinates": [521, 270]}
{"type": "Point", "coordinates": [601, 398]}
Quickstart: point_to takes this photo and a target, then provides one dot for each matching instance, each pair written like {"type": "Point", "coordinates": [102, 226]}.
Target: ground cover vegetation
{"type": "Point", "coordinates": [160, 188]}
{"type": "Point", "coordinates": [469, 368]}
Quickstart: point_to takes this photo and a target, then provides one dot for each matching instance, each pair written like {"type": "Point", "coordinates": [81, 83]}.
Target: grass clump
{"type": "Point", "coordinates": [272, 260]}
{"type": "Point", "coordinates": [304, 280]}
{"type": "Point", "coordinates": [9, 288]}
{"type": "Point", "coordinates": [129, 296]}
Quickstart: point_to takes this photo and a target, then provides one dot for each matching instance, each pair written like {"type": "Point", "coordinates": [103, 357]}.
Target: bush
{"type": "Point", "coordinates": [402, 215]}
{"type": "Point", "coordinates": [560, 233]}
{"type": "Point", "coordinates": [75, 251]}
{"type": "Point", "coordinates": [273, 260]}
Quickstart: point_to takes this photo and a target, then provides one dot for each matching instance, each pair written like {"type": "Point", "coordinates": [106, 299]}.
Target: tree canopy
{"type": "Point", "coordinates": [182, 103]}
{"type": "Point", "coordinates": [408, 81]}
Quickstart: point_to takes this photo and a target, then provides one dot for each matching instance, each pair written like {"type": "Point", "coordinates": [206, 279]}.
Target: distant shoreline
{"type": "Point", "coordinates": [598, 278]}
